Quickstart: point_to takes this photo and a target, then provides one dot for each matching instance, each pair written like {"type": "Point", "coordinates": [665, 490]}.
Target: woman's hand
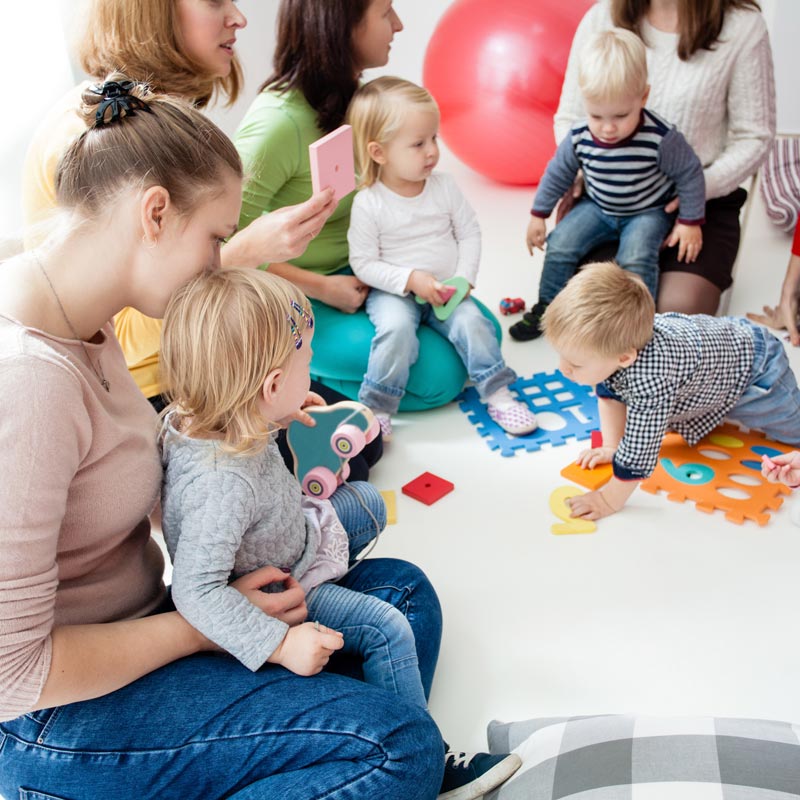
{"type": "Point", "coordinates": [784, 315]}
{"type": "Point", "coordinates": [281, 235]}
{"type": "Point", "coordinates": [345, 292]}
{"type": "Point", "coordinates": [289, 606]}
{"type": "Point", "coordinates": [567, 202]}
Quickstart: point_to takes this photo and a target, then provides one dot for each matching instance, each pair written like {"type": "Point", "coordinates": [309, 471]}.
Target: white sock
{"type": "Point", "coordinates": [502, 398]}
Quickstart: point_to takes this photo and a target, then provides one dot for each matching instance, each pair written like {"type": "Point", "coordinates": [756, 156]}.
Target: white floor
{"type": "Point", "coordinates": [664, 610]}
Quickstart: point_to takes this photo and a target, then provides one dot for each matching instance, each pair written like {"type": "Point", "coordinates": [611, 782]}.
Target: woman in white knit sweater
{"type": "Point", "coordinates": [710, 69]}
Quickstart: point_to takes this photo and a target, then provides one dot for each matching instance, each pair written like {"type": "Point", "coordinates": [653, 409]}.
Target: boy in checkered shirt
{"type": "Point", "coordinates": [662, 372]}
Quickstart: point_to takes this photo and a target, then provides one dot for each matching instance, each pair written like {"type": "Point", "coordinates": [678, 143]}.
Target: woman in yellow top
{"type": "Point", "coordinates": [184, 48]}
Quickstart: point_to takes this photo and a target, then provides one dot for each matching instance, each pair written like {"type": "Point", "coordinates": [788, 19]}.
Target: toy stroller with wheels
{"type": "Point", "coordinates": [321, 453]}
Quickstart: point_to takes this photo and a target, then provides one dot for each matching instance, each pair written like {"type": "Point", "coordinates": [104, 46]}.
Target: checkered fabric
{"type": "Point", "coordinates": [649, 758]}
{"type": "Point", "coordinates": [686, 379]}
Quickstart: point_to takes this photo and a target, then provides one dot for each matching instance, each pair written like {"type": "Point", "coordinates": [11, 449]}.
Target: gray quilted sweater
{"type": "Point", "coordinates": [224, 516]}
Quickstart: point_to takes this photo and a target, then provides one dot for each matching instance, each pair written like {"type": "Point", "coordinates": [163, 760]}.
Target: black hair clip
{"type": "Point", "coordinates": [117, 102]}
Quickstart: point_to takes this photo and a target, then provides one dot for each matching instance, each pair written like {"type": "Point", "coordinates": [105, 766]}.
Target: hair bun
{"type": "Point", "coordinates": [114, 99]}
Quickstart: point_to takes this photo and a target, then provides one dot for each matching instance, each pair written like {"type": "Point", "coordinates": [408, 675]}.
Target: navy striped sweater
{"type": "Point", "coordinates": [643, 172]}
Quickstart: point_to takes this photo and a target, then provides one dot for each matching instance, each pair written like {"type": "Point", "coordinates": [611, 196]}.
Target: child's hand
{"type": "Point", "coordinates": [312, 399]}
{"type": "Point", "coordinates": [592, 505]}
{"type": "Point", "coordinates": [589, 459]}
{"type": "Point", "coordinates": [424, 285]}
{"type": "Point", "coordinates": [537, 233]}
{"type": "Point", "coordinates": [782, 469]}
{"type": "Point", "coordinates": [307, 648]}
{"type": "Point", "coordinates": [689, 239]}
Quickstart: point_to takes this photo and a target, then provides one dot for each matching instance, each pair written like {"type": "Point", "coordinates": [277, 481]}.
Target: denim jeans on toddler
{"type": "Point", "coordinates": [395, 347]}
{"type": "Point", "coordinates": [587, 226]}
{"type": "Point", "coordinates": [771, 402]}
{"type": "Point", "coordinates": [376, 634]}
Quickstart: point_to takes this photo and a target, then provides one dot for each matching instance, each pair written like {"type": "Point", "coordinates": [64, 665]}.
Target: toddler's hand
{"type": "Point", "coordinates": [689, 239]}
{"type": "Point", "coordinates": [537, 233]}
{"type": "Point", "coordinates": [595, 456]}
{"type": "Point", "coordinates": [783, 468]}
{"type": "Point", "coordinates": [424, 285]}
{"type": "Point", "coordinates": [591, 505]}
{"type": "Point", "coordinates": [312, 399]}
{"type": "Point", "coordinates": [306, 650]}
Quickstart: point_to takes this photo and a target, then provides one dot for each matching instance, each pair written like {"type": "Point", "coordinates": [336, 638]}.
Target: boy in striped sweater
{"type": "Point", "coordinates": [634, 164]}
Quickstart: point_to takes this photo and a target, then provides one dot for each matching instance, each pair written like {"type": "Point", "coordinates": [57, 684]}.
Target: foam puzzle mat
{"type": "Point", "coordinates": [722, 472]}
{"type": "Point", "coordinates": [565, 410]}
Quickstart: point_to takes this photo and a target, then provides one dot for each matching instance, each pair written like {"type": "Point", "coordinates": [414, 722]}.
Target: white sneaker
{"type": "Point", "coordinates": [513, 417]}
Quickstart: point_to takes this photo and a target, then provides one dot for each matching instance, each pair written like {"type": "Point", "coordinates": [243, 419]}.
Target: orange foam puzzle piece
{"type": "Point", "coordinates": [590, 478]}
{"type": "Point", "coordinates": [722, 481]}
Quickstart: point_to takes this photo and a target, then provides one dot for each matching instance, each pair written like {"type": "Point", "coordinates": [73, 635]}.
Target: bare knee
{"type": "Point", "coordinates": [687, 293]}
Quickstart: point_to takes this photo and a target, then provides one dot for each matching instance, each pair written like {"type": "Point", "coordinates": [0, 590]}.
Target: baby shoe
{"type": "Point", "coordinates": [514, 417]}
{"type": "Point", "coordinates": [385, 421]}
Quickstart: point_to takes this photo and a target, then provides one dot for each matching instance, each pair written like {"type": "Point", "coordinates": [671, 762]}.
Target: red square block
{"type": "Point", "coordinates": [428, 488]}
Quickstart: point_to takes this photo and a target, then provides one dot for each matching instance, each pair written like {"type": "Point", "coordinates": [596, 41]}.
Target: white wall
{"type": "Point", "coordinates": [36, 69]}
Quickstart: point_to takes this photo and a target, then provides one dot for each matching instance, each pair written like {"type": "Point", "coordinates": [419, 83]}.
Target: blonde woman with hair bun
{"type": "Point", "coordinates": [105, 689]}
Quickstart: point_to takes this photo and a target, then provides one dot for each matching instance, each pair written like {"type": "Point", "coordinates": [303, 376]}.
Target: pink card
{"type": "Point", "coordinates": [332, 162]}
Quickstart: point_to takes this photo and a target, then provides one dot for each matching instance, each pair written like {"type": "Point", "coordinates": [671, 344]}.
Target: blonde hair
{"type": "Point", "coordinates": [377, 112]}
{"type": "Point", "coordinates": [223, 333]}
{"type": "Point", "coordinates": [604, 309]}
{"type": "Point", "coordinates": [168, 143]}
{"type": "Point", "coordinates": [142, 39]}
{"type": "Point", "coordinates": [613, 64]}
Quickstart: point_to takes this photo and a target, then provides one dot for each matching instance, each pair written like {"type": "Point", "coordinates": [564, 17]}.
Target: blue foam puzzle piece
{"type": "Point", "coordinates": [545, 391]}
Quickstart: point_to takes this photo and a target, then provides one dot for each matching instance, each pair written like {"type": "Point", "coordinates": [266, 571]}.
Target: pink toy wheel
{"type": "Point", "coordinates": [320, 482]}
{"type": "Point", "coordinates": [347, 440]}
{"type": "Point", "coordinates": [373, 430]}
{"type": "Point", "coordinates": [344, 473]}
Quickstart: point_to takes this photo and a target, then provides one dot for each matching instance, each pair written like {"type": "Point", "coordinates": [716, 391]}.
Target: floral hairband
{"type": "Point", "coordinates": [309, 320]}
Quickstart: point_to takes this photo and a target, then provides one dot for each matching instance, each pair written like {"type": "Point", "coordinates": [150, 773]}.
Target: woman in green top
{"type": "Point", "coordinates": [322, 48]}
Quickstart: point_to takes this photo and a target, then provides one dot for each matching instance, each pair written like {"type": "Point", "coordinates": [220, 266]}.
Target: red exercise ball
{"type": "Point", "coordinates": [496, 69]}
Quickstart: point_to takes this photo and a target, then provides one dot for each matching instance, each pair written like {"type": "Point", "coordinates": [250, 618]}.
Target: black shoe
{"type": "Point", "coordinates": [529, 327]}
{"type": "Point", "coordinates": [471, 775]}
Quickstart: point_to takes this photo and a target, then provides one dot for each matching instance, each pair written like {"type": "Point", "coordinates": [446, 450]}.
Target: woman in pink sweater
{"type": "Point", "coordinates": [104, 688]}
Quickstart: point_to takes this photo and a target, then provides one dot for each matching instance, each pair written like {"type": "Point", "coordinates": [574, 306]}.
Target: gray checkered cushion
{"type": "Point", "coordinates": [649, 758]}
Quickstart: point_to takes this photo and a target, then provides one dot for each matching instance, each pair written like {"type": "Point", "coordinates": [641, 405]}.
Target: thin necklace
{"type": "Point", "coordinates": [98, 370]}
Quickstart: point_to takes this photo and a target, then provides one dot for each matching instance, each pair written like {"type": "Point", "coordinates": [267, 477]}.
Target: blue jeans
{"type": "Point", "coordinates": [771, 403]}
{"type": "Point", "coordinates": [395, 347]}
{"type": "Point", "coordinates": [206, 727]}
{"type": "Point", "coordinates": [585, 227]}
{"type": "Point", "coordinates": [375, 632]}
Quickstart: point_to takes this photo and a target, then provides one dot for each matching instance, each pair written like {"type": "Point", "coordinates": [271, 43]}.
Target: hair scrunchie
{"type": "Point", "coordinates": [117, 101]}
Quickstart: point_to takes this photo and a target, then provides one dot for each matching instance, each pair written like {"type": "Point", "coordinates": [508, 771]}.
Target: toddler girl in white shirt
{"type": "Point", "coordinates": [411, 229]}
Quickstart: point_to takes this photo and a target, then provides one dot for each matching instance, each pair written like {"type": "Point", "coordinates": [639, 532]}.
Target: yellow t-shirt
{"type": "Point", "coordinates": [139, 336]}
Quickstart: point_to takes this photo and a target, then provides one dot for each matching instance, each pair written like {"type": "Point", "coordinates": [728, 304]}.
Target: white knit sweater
{"type": "Point", "coordinates": [721, 100]}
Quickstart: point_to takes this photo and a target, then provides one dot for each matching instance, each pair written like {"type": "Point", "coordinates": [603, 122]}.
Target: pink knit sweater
{"type": "Point", "coordinates": [79, 472]}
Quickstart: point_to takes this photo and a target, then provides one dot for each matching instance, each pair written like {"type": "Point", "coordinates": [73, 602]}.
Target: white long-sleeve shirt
{"type": "Point", "coordinates": [721, 100]}
{"type": "Point", "coordinates": [390, 235]}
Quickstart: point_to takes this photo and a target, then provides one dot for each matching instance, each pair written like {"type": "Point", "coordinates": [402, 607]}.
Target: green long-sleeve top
{"type": "Point", "coordinates": [273, 141]}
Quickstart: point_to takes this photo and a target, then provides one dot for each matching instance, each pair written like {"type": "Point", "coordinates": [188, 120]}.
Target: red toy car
{"type": "Point", "coordinates": [511, 305]}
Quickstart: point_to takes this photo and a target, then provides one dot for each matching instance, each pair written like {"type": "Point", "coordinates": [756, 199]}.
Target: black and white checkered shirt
{"type": "Point", "coordinates": [686, 379]}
